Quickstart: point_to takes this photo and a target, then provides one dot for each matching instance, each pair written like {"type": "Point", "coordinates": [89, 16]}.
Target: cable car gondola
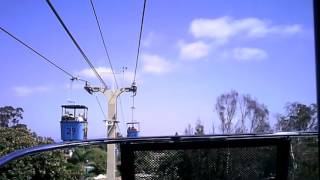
{"type": "Point", "coordinates": [133, 129]}
{"type": "Point", "coordinates": [74, 125]}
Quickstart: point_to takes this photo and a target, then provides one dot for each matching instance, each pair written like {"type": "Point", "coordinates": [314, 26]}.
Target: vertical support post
{"type": "Point", "coordinates": [283, 155]}
{"type": "Point", "coordinates": [127, 162]}
{"type": "Point", "coordinates": [112, 96]}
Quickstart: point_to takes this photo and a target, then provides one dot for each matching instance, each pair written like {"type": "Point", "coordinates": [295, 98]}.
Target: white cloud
{"type": "Point", "coordinates": [104, 72]}
{"type": "Point", "coordinates": [249, 54]}
{"type": "Point", "coordinates": [223, 28]}
{"type": "Point", "coordinates": [193, 51]}
{"type": "Point", "coordinates": [155, 64]}
{"type": "Point", "coordinates": [28, 90]}
{"type": "Point", "coordinates": [218, 29]}
{"type": "Point", "coordinates": [107, 75]}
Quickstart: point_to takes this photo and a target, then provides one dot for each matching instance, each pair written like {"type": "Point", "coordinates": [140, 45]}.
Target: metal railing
{"type": "Point", "coordinates": [241, 156]}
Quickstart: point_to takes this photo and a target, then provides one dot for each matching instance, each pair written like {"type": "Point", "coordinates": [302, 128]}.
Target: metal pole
{"type": "Point", "coordinates": [112, 96]}
{"type": "Point", "coordinates": [316, 15]}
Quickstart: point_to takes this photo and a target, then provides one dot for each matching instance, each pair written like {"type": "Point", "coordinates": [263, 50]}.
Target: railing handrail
{"type": "Point", "coordinates": [62, 145]}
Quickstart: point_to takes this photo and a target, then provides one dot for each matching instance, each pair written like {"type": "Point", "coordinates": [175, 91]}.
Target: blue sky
{"type": "Point", "coordinates": [192, 51]}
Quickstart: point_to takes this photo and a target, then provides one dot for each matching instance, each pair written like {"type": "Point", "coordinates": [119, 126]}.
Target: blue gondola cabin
{"type": "Point", "coordinates": [74, 125]}
{"type": "Point", "coordinates": [133, 129]}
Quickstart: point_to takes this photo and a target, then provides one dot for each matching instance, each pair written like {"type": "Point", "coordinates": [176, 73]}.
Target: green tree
{"type": "Point", "coordinates": [226, 107]}
{"type": "Point", "coordinates": [304, 151]}
{"type": "Point", "coordinates": [14, 136]}
{"type": "Point", "coordinates": [97, 158]}
{"type": "Point", "coordinates": [188, 130]}
{"type": "Point", "coordinates": [93, 157]}
{"type": "Point", "coordinates": [241, 114]}
{"type": "Point", "coordinates": [48, 165]}
{"type": "Point", "coordinates": [199, 128]}
{"type": "Point", "coordinates": [10, 116]}
{"type": "Point", "coordinates": [298, 117]}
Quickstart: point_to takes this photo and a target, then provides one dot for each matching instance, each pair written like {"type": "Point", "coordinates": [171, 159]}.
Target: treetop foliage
{"type": "Point", "coordinates": [10, 116]}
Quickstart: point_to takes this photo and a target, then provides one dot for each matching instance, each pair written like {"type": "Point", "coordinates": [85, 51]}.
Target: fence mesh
{"type": "Point", "coordinates": [304, 157]}
{"type": "Point", "coordinates": [240, 163]}
{"type": "Point", "coordinates": [202, 164]}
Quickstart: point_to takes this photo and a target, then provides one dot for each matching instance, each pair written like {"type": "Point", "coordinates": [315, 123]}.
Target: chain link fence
{"type": "Point", "coordinates": [240, 162]}
{"type": "Point", "coordinates": [202, 164]}
{"type": "Point", "coordinates": [304, 156]}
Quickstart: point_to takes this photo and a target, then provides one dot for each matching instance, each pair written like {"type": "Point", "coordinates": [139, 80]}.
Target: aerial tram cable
{"type": "Point", "coordinates": [120, 101]}
{"type": "Point", "coordinates": [101, 109]}
{"type": "Point", "coordinates": [137, 59]}
{"type": "Point", "coordinates": [69, 99]}
{"type": "Point", "coordinates": [119, 131]}
{"type": "Point", "coordinates": [104, 43]}
{"type": "Point", "coordinates": [39, 54]}
{"type": "Point", "coordinates": [104, 115]}
{"type": "Point", "coordinates": [72, 127]}
{"type": "Point", "coordinates": [139, 41]}
{"type": "Point", "coordinates": [76, 44]}
{"type": "Point", "coordinates": [65, 121]}
{"type": "Point", "coordinates": [107, 54]}
{"type": "Point", "coordinates": [121, 110]}
{"type": "Point", "coordinates": [132, 110]}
